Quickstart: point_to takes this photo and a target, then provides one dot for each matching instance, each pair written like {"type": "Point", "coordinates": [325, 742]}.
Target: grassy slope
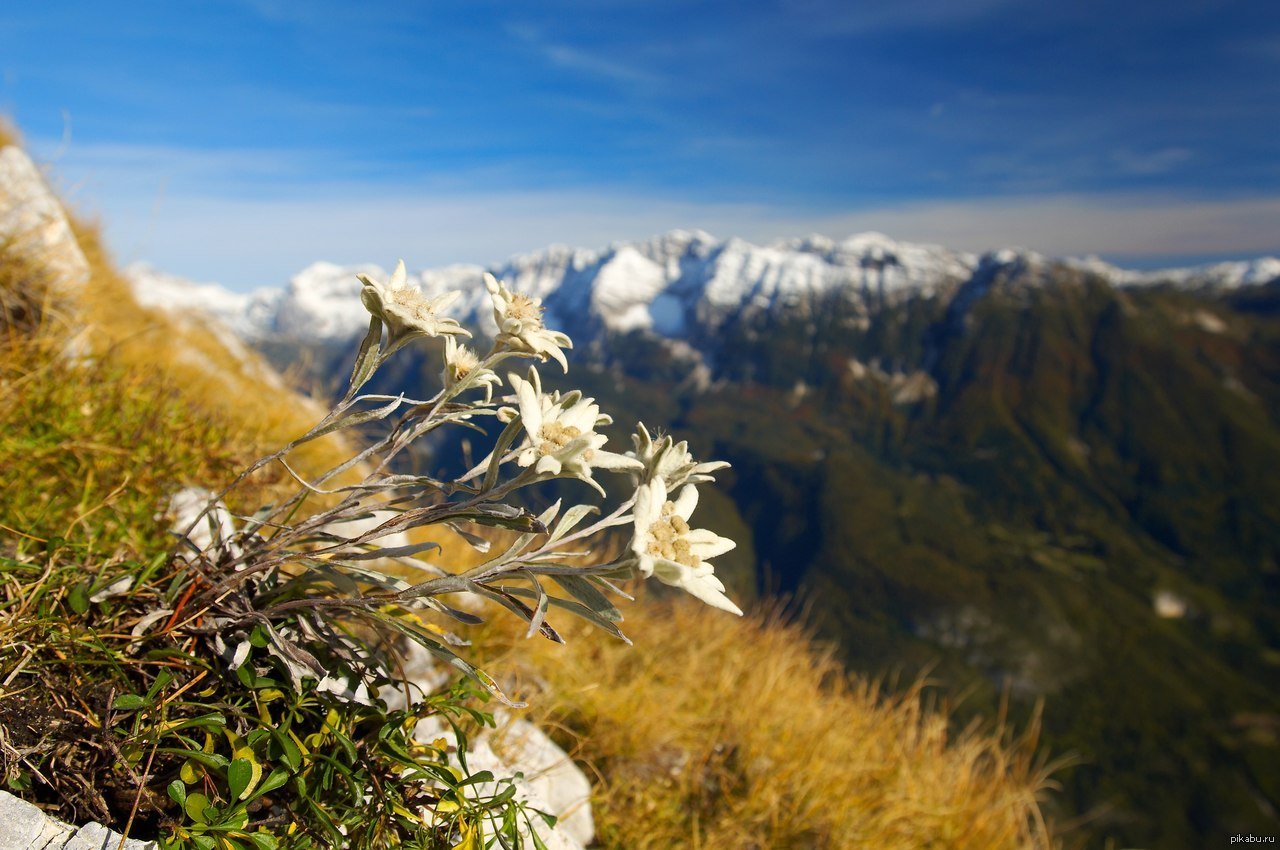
{"type": "Point", "coordinates": [772, 742]}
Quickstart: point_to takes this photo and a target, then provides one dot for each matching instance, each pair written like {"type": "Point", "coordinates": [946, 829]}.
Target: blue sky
{"type": "Point", "coordinates": [239, 140]}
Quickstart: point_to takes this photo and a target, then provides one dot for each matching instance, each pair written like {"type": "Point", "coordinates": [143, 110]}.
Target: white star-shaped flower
{"type": "Point", "coordinates": [520, 328]}
{"type": "Point", "coordinates": [560, 436]}
{"type": "Point", "coordinates": [667, 548]}
{"type": "Point", "coordinates": [462, 364]}
{"type": "Point", "coordinates": [405, 311]}
{"type": "Point", "coordinates": [665, 459]}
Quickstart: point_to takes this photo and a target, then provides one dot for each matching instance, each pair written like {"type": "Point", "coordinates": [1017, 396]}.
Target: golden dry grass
{"type": "Point", "coordinates": [718, 732]}
{"type": "Point", "coordinates": [219, 377]}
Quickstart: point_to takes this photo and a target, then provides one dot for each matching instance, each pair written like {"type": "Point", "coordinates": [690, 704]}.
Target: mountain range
{"type": "Point", "coordinates": [1042, 481]}
{"type": "Point", "coordinates": [679, 285]}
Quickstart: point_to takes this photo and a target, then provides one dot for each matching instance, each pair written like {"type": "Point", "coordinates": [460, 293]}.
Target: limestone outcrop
{"type": "Point", "coordinates": [33, 222]}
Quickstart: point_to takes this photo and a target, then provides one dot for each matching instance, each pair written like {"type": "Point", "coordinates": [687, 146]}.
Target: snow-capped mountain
{"type": "Point", "coordinates": [671, 285]}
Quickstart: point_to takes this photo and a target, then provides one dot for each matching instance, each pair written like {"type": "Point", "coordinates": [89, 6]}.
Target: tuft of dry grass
{"type": "Point", "coordinates": [219, 376]}
{"type": "Point", "coordinates": [716, 732]}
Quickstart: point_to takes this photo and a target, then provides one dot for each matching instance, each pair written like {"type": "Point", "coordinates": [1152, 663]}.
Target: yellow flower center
{"type": "Point", "coordinates": [524, 309]}
{"type": "Point", "coordinates": [556, 436]}
{"type": "Point", "coordinates": [670, 538]}
{"type": "Point", "coordinates": [464, 361]}
{"type": "Point", "coordinates": [412, 302]}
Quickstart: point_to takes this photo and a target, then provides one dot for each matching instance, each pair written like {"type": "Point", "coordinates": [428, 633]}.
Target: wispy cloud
{"type": "Point", "coordinates": [245, 242]}
{"type": "Point", "coordinates": [1057, 169]}
{"type": "Point", "coordinates": [581, 60]}
{"type": "Point", "coordinates": [1162, 161]}
{"type": "Point", "coordinates": [575, 58]}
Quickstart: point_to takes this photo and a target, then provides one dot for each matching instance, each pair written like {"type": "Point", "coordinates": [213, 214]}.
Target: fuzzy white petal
{"type": "Point", "coordinates": [707, 544]}
{"type": "Point", "coordinates": [686, 502]}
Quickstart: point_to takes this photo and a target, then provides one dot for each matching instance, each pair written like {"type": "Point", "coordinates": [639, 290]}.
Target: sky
{"type": "Point", "coordinates": [240, 140]}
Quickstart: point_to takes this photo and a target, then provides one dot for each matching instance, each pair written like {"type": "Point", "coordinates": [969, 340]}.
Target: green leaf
{"type": "Point", "coordinates": [197, 807]}
{"type": "Point", "coordinates": [475, 541]}
{"type": "Point", "coordinates": [394, 551]}
{"type": "Point", "coordinates": [177, 792]}
{"type": "Point", "coordinates": [444, 654]}
{"type": "Point", "coordinates": [347, 744]}
{"type": "Point", "coordinates": [129, 702]}
{"type": "Point", "coordinates": [290, 755]}
{"type": "Point", "coordinates": [212, 760]}
{"type": "Point", "coordinates": [504, 597]}
{"type": "Point", "coordinates": [274, 780]}
{"type": "Point", "coordinates": [461, 616]}
{"type": "Point", "coordinates": [262, 840]}
{"type": "Point", "coordinates": [78, 598]}
{"type": "Point", "coordinates": [540, 610]}
{"type": "Point", "coordinates": [240, 778]}
{"type": "Point", "coordinates": [476, 778]}
{"type": "Point", "coordinates": [505, 439]}
{"type": "Point", "coordinates": [236, 818]}
{"type": "Point", "coordinates": [503, 516]}
{"type": "Point", "coordinates": [162, 681]}
{"type": "Point", "coordinates": [189, 773]}
{"type": "Point", "coordinates": [258, 637]}
{"type": "Point", "coordinates": [212, 720]}
{"type": "Point", "coordinates": [250, 679]}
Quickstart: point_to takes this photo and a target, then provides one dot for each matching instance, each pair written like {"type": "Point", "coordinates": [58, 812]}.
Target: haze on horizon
{"type": "Point", "coordinates": [240, 140]}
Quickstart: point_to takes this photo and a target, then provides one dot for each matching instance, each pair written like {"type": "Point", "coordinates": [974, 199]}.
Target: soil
{"type": "Point", "coordinates": [54, 753]}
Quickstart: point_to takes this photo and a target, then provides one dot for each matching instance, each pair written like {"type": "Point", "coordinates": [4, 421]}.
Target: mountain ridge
{"type": "Point", "coordinates": [668, 285]}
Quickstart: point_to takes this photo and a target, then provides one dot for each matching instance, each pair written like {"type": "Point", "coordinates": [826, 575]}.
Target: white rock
{"type": "Point", "coordinates": [183, 509]}
{"type": "Point", "coordinates": [95, 836]}
{"type": "Point", "coordinates": [1208, 322]}
{"type": "Point", "coordinates": [550, 781]}
{"type": "Point", "coordinates": [1169, 605]}
{"type": "Point", "coordinates": [549, 771]}
{"type": "Point", "coordinates": [33, 219]}
{"type": "Point", "coordinates": [25, 827]}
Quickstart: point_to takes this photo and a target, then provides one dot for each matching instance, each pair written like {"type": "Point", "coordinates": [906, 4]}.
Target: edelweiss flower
{"type": "Point", "coordinates": [665, 546]}
{"type": "Point", "coordinates": [463, 364]}
{"type": "Point", "coordinates": [406, 312]}
{"type": "Point", "coordinates": [669, 461]}
{"type": "Point", "coordinates": [520, 328]}
{"type": "Point", "coordinates": [560, 436]}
